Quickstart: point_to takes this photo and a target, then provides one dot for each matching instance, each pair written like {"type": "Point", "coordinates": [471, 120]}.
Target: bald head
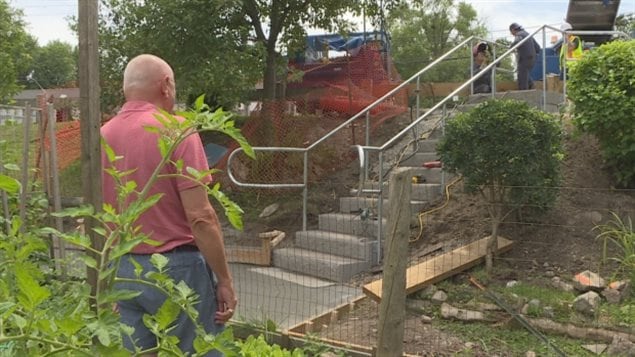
{"type": "Point", "coordinates": [149, 78]}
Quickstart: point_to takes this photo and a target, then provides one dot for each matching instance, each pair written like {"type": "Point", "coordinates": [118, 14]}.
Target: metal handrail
{"type": "Point", "coordinates": [362, 149]}
{"type": "Point", "coordinates": [306, 150]}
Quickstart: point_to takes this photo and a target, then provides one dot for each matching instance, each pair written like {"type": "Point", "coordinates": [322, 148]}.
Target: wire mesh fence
{"type": "Point", "coordinates": [534, 300]}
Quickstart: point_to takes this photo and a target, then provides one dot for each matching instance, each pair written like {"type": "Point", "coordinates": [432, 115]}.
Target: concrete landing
{"type": "Point", "coordinates": [287, 299]}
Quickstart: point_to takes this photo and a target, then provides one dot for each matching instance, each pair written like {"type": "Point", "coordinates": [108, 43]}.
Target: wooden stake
{"type": "Point", "coordinates": [392, 309]}
{"type": "Point", "coordinates": [89, 92]}
{"type": "Point", "coordinates": [55, 187]}
{"type": "Point", "coordinates": [5, 200]}
{"type": "Point", "coordinates": [26, 122]}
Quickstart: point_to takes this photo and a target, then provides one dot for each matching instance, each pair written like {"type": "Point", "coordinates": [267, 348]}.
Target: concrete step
{"type": "Point", "coordinates": [356, 204]}
{"type": "Point", "coordinates": [353, 224]}
{"type": "Point", "coordinates": [420, 191]}
{"type": "Point", "coordinates": [419, 158]}
{"type": "Point", "coordinates": [429, 145]}
{"type": "Point", "coordinates": [322, 265]}
{"type": "Point", "coordinates": [344, 245]}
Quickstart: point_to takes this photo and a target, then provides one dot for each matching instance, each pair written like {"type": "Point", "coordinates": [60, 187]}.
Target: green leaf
{"type": "Point", "coordinates": [159, 261]}
{"type": "Point", "coordinates": [31, 294]}
{"type": "Point", "coordinates": [138, 269]}
{"type": "Point", "coordinates": [152, 129]}
{"type": "Point", "coordinates": [9, 184]}
{"type": "Point", "coordinates": [167, 314]}
{"type": "Point", "coordinates": [118, 295]}
{"type": "Point", "coordinates": [110, 153]}
{"type": "Point", "coordinates": [200, 101]}
{"type": "Point", "coordinates": [81, 211]}
{"type": "Point", "coordinates": [12, 167]}
{"type": "Point", "coordinates": [103, 336]}
{"type": "Point", "coordinates": [125, 247]}
{"type": "Point", "coordinates": [89, 261]}
{"type": "Point", "coordinates": [19, 321]}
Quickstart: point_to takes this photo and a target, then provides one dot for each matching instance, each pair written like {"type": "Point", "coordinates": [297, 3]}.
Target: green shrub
{"type": "Point", "coordinates": [602, 87]}
{"type": "Point", "coordinates": [508, 152]}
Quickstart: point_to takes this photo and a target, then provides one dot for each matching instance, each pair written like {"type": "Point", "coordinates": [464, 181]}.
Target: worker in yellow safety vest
{"type": "Point", "coordinates": [571, 48]}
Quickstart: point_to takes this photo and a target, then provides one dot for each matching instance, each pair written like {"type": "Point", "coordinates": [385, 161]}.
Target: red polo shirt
{"type": "Point", "coordinates": [166, 221]}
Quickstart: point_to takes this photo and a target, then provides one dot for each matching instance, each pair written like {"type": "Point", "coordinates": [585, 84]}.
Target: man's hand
{"type": "Point", "coordinates": [227, 301]}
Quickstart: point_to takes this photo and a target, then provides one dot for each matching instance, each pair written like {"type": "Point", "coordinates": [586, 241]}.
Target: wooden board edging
{"type": "Point", "coordinates": [315, 323]}
{"type": "Point", "coordinates": [441, 267]}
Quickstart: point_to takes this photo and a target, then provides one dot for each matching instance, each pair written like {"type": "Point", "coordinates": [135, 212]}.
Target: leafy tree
{"type": "Point", "coordinates": [625, 23]}
{"type": "Point", "coordinates": [601, 86]}
{"type": "Point", "coordinates": [54, 65]}
{"type": "Point", "coordinates": [14, 54]}
{"type": "Point", "coordinates": [508, 153]}
{"type": "Point", "coordinates": [207, 45]}
{"type": "Point", "coordinates": [423, 30]}
{"type": "Point", "coordinates": [218, 47]}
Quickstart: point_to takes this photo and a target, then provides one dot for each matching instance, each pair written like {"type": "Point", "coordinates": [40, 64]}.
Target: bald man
{"type": "Point", "coordinates": [183, 221]}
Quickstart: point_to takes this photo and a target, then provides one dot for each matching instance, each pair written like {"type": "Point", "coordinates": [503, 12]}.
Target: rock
{"type": "Point", "coordinates": [533, 305]}
{"type": "Point", "coordinates": [612, 296]}
{"type": "Point", "coordinates": [426, 319]}
{"type": "Point", "coordinates": [557, 283]}
{"type": "Point", "coordinates": [530, 354]}
{"type": "Point", "coordinates": [588, 280]}
{"type": "Point", "coordinates": [621, 347]}
{"type": "Point", "coordinates": [427, 292]}
{"type": "Point", "coordinates": [593, 217]}
{"type": "Point", "coordinates": [550, 274]}
{"type": "Point", "coordinates": [450, 312]}
{"type": "Point", "coordinates": [416, 305]}
{"type": "Point", "coordinates": [269, 210]}
{"type": "Point", "coordinates": [548, 312]}
{"type": "Point", "coordinates": [511, 283]}
{"type": "Point", "coordinates": [328, 354]}
{"type": "Point", "coordinates": [469, 345]}
{"type": "Point", "coordinates": [439, 297]}
{"type": "Point", "coordinates": [617, 291]}
{"type": "Point", "coordinates": [483, 306]}
{"type": "Point", "coordinates": [597, 349]}
{"type": "Point", "coordinates": [587, 303]}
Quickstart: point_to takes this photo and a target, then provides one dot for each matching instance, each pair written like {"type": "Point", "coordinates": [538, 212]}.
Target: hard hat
{"type": "Point", "coordinates": [566, 26]}
{"type": "Point", "coordinates": [515, 26]}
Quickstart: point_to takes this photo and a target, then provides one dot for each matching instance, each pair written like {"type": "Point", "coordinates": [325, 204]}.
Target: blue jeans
{"type": "Point", "coordinates": [184, 265]}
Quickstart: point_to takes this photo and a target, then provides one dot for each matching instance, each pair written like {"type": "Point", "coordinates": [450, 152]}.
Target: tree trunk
{"type": "Point", "coordinates": [269, 84]}
{"type": "Point", "coordinates": [492, 244]}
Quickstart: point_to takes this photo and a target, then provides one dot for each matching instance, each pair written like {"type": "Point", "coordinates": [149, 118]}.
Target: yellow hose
{"type": "Point", "coordinates": [447, 200]}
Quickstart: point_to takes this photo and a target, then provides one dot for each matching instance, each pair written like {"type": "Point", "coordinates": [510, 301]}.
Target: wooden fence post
{"type": "Point", "coordinates": [392, 309]}
{"type": "Point", "coordinates": [55, 187]}
{"type": "Point", "coordinates": [26, 146]}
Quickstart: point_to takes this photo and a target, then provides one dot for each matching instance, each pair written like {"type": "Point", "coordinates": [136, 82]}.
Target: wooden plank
{"type": "Point", "coordinates": [440, 267]}
{"type": "Point", "coordinates": [326, 317]}
{"type": "Point", "coordinates": [248, 255]}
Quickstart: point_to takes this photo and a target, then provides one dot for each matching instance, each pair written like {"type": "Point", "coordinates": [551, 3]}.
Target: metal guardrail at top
{"type": "Point", "coordinates": [364, 149]}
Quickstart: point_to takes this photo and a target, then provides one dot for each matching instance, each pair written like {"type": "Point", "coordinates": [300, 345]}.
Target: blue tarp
{"type": "Point", "coordinates": [338, 43]}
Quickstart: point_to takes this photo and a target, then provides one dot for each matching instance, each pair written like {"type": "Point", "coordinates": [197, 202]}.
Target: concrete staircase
{"type": "Point", "coordinates": [346, 243]}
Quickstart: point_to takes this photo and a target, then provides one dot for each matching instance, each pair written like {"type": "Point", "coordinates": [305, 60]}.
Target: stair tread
{"type": "Point", "coordinates": [311, 254]}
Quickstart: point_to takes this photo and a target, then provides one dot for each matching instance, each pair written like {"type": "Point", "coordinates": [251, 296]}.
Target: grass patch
{"type": "Point", "coordinates": [71, 180]}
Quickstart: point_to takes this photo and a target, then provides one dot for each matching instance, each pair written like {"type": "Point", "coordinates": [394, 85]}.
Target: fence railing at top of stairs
{"type": "Point", "coordinates": [364, 114]}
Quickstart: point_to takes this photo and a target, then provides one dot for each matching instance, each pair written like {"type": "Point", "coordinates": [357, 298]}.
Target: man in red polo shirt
{"type": "Point", "coordinates": [183, 220]}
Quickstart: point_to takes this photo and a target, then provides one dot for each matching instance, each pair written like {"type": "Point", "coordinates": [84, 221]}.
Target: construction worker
{"type": "Point", "coordinates": [570, 49]}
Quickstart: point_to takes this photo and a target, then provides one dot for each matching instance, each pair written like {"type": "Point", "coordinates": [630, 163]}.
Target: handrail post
{"type": "Point", "coordinates": [367, 143]}
{"type": "Point", "coordinates": [418, 111]}
{"type": "Point", "coordinates": [544, 70]}
{"type": "Point", "coordinates": [305, 190]}
{"type": "Point", "coordinates": [493, 87]}
{"type": "Point", "coordinates": [380, 204]}
{"type": "Point", "coordinates": [471, 66]}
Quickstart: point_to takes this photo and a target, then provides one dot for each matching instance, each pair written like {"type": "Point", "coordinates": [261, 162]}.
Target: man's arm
{"type": "Point", "coordinates": [209, 239]}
